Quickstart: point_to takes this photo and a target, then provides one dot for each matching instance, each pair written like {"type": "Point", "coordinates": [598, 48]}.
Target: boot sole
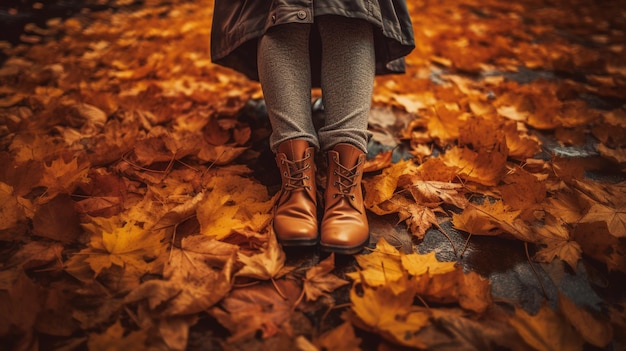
{"type": "Point", "coordinates": [343, 250]}
{"type": "Point", "coordinates": [298, 242]}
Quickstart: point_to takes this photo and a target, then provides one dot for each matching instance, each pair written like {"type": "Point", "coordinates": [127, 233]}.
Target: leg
{"type": "Point", "coordinates": [348, 67]}
{"type": "Point", "coordinates": [285, 75]}
{"type": "Point", "coordinates": [348, 70]}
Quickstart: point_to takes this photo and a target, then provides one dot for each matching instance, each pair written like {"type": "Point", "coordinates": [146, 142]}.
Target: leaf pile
{"type": "Point", "coordinates": [130, 216]}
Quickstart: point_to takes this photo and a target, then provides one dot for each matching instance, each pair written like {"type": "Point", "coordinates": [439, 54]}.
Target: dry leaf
{"type": "Point", "coordinates": [380, 267]}
{"type": "Point", "coordinates": [594, 329]}
{"type": "Point", "coordinates": [319, 282]}
{"type": "Point", "coordinates": [388, 310]}
{"type": "Point", "coordinates": [265, 265]}
{"type": "Point", "coordinates": [197, 275]}
{"type": "Point", "coordinates": [114, 339]}
{"type": "Point", "coordinates": [546, 330]}
{"type": "Point", "coordinates": [257, 308]}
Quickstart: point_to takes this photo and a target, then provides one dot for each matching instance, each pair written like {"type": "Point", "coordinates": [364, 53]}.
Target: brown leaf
{"type": "Point", "coordinates": [192, 284]}
{"type": "Point", "coordinates": [380, 161]}
{"type": "Point", "coordinates": [554, 234]}
{"type": "Point", "coordinates": [114, 339]}
{"type": "Point", "coordinates": [63, 177]}
{"type": "Point", "coordinates": [266, 265]}
{"type": "Point", "coordinates": [257, 308]}
{"type": "Point", "coordinates": [10, 211]}
{"type": "Point", "coordinates": [318, 281]}
{"type": "Point", "coordinates": [57, 220]}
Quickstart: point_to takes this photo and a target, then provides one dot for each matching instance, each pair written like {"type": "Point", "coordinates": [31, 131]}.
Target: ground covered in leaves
{"type": "Point", "coordinates": [136, 187]}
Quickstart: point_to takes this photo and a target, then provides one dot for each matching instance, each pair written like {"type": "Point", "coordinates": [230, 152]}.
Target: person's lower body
{"type": "Point", "coordinates": [347, 77]}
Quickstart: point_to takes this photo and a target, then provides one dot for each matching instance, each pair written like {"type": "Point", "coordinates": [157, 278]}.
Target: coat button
{"type": "Point", "coordinates": [301, 14]}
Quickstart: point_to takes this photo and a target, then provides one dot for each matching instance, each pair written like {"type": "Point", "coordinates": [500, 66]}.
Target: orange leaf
{"type": "Point", "coordinates": [594, 329]}
{"type": "Point", "coordinates": [546, 330]}
{"type": "Point", "coordinates": [615, 218]}
{"type": "Point", "coordinates": [114, 339]}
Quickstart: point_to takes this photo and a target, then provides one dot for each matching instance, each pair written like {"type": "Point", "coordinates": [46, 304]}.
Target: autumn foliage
{"type": "Point", "coordinates": [133, 215]}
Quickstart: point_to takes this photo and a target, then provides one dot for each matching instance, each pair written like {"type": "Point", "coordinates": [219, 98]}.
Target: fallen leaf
{"type": "Point", "coordinates": [388, 310]}
{"type": "Point", "coordinates": [380, 267]}
{"type": "Point", "coordinates": [418, 264]}
{"type": "Point", "coordinates": [197, 276]}
{"type": "Point", "coordinates": [486, 168]}
{"type": "Point", "coordinates": [268, 264]}
{"type": "Point", "coordinates": [257, 308]}
{"type": "Point", "coordinates": [341, 338]}
{"type": "Point", "coordinates": [546, 330]}
{"type": "Point", "coordinates": [595, 330]}
{"type": "Point", "coordinates": [318, 280]}
{"type": "Point", "coordinates": [114, 339]}
{"type": "Point", "coordinates": [614, 217]}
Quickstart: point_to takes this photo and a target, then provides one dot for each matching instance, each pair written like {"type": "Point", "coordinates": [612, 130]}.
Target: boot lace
{"type": "Point", "coordinates": [346, 179]}
{"type": "Point", "coordinates": [295, 178]}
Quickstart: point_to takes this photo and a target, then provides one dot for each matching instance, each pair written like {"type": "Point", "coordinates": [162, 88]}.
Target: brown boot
{"type": "Point", "coordinates": [295, 214]}
{"type": "Point", "coordinates": [344, 225]}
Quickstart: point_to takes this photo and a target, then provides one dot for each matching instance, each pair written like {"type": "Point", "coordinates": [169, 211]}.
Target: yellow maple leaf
{"type": "Point", "coordinates": [418, 264]}
{"type": "Point", "coordinates": [123, 245]}
{"type": "Point", "coordinates": [232, 203]}
{"type": "Point", "coordinates": [389, 311]}
{"type": "Point", "coordinates": [381, 188]}
{"type": "Point", "coordinates": [379, 267]}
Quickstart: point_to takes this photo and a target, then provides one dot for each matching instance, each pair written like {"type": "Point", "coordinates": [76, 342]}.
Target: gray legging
{"type": "Point", "coordinates": [347, 80]}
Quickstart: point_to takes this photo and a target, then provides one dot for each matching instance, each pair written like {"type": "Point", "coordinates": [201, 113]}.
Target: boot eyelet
{"type": "Point", "coordinates": [307, 177]}
{"type": "Point", "coordinates": [285, 173]}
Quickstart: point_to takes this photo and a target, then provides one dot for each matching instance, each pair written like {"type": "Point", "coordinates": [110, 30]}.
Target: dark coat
{"type": "Point", "coordinates": [238, 24]}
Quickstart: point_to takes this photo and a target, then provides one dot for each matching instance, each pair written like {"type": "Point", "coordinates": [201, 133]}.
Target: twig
{"type": "Point", "coordinates": [543, 289]}
{"type": "Point", "coordinates": [278, 289]}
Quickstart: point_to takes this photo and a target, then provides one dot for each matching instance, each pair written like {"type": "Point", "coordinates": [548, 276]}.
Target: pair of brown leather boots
{"type": "Point", "coordinates": [344, 228]}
